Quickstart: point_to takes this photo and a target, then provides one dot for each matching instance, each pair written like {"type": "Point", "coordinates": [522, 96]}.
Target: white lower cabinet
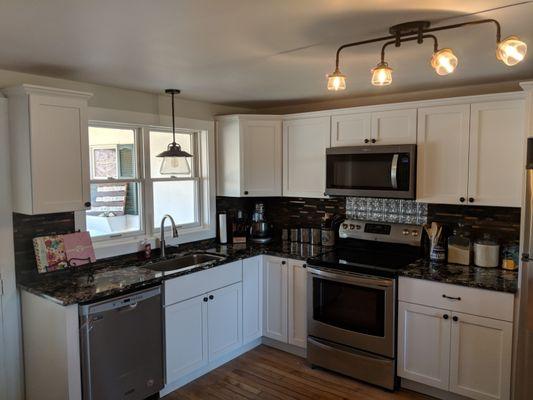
{"type": "Point", "coordinates": [252, 299]}
{"type": "Point", "coordinates": [275, 280]}
{"type": "Point", "coordinates": [442, 346]}
{"type": "Point", "coordinates": [297, 297]}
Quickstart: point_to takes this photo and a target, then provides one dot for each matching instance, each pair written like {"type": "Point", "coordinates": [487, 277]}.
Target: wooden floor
{"type": "Point", "coordinates": [267, 373]}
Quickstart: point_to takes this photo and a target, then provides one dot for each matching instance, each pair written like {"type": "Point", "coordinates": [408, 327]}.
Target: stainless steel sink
{"type": "Point", "coordinates": [183, 262]}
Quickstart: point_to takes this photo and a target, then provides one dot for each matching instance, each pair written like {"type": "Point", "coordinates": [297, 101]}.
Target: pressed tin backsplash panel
{"type": "Point", "coordinates": [387, 210]}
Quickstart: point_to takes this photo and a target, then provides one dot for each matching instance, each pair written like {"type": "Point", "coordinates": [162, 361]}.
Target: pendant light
{"type": "Point", "coordinates": [444, 61]}
{"type": "Point", "coordinates": [382, 74]}
{"type": "Point", "coordinates": [511, 51]}
{"type": "Point", "coordinates": [174, 158]}
{"type": "Point", "coordinates": [336, 81]}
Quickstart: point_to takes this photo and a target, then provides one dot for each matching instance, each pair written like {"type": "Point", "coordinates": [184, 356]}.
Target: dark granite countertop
{"type": "Point", "coordinates": [114, 276]}
{"type": "Point", "coordinates": [496, 279]}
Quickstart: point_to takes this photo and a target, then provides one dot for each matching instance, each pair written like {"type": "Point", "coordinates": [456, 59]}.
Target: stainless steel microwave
{"type": "Point", "coordinates": [371, 171]}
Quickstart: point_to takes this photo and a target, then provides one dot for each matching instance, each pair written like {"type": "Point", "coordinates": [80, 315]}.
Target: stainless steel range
{"type": "Point", "coordinates": [351, 311]}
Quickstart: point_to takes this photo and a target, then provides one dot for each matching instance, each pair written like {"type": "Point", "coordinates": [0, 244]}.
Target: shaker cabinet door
{"type": "Point", "coordinates": [350, 129]}
{"type": "Point", "coordinates": [297, 283]}
{"type": "Point", "coordinates": [252, 298]}
{"type": "Point", "coordinates": [394, 127]}
{"type": "Point", "coordinates": [275, 298]}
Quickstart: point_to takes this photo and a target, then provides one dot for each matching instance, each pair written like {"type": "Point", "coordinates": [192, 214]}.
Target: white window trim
{"type": "Point", "coordinates": [206, 147]}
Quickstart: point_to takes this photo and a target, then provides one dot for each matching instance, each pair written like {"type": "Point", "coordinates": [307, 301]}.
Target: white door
{"type": "Point", "coordinates": [442, 167]}
{"type": "Point", "coordinates": [394, 127]}
{"type": "Point", "coordinates": [224, 320]}
{"type": "Point", "coordinates": [350, 129]}
{"type": "Point", "coordinates": [424, 344]}
{"type": "Point", "coordinates": [59, 154]}
{"type": "Point", "coordinates": [185, 337]}
{"type": "Point", "coordinates": [497, 140]}
{"type": "Point", "coordinates": [297, 274]}
{"type": "Point", "coordinates": [480, 360]}
{"type": "Point", "coordinates": [261, 153]}
{"type": "Point", "coordinates": [275, 274]}
{"type": "Point", "coordinates": [304, 156]}
{"type": "Point", "coordinates": [252, 298]}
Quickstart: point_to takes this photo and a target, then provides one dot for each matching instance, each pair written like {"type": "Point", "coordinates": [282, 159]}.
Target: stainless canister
{"type": "Point", "coordinates": [305, 234]}
{"type": "Point", "coordinates": [315, 236]}
{"type": "Point", "coordinates": [294, 234]}
{"type": "Point", "coordinates": [285, 234]}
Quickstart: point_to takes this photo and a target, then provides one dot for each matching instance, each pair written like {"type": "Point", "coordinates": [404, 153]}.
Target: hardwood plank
{"type": "Point", "coordinates": [270, 374]}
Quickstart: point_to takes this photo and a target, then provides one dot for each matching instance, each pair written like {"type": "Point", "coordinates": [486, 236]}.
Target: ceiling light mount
{"type": "Point", "coordinates": [510, 51]}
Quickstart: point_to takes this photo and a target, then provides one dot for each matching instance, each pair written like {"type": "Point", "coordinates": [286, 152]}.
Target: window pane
{"type": "Point", "coordinates": [112, 153]}
{"type": "Point", "coordinates": [176, 198]}
{"type": "Point", "coordinates": [159, 141]}
{"type": "Point", "coordinates": [115, 208]}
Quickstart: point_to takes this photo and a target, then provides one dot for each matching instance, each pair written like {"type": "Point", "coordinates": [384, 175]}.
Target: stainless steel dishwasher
{"type": "Point", "coordinates": [122, 346]}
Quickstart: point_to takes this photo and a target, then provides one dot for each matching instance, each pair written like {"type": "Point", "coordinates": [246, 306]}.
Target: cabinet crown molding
{"type": "Point", "coordinates": [527, 86]}
{"type": "Point", "coordinates": [26, 89]}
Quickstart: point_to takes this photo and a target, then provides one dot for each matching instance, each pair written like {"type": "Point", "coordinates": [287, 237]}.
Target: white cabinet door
{"type": "Point", "coordinates": [480, 360]}
{"type": "Point", "coordinates": [224, 320]}
{"type": "Point", "coordinates": [304, 156]}
{"type": "Point", "coordinates": [442, 167]}
{"type": "Point", "coordinates": [275, 298]}
{"type": "Point", "coordinates": [228, 144]}
{"type": "Point", "coordinates": [424, 344]}
{"type": "Point", "coordinates": [185, 337]}
{"type": "Point", "coordinates": [497, 139]}
{"type": "Point", "coordinates": [350, 129]}
{"type": "Point", "coordinates": [261, 153]}
{"type": "Point", "coordinates": [252, 298]}
{"type": "Point", "coordinates": [297, 283]}
{"type": "Point", "coordinates": [394, 127]}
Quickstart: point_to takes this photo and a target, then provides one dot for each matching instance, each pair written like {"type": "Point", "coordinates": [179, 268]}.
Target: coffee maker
{"type": "Point", "coordinates": [260, 230]}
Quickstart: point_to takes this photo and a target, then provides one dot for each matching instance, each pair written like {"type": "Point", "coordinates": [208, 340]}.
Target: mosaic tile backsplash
{"type": "Point", "coordinates": [387, 210]}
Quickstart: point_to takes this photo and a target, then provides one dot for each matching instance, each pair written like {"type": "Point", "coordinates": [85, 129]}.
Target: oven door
{"type": "Point", "coordinates": [371, 171]}
{"type": "Point", "coordinates": [353, 310]}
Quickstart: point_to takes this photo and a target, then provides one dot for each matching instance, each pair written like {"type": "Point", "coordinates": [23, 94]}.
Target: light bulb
{"type": "Point", "coordinates": [382, 74]}
{"type": "Point", "coordinates": [174, 166]}
{"type": "Point", "coordinates": [336, 81]}
{"type": "Point", "coordinates": [511, 50]}
{"type": "Point", "coordinates": [444, 61]}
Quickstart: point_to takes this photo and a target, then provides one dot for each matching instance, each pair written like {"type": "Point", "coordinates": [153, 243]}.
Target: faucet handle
{"type": "Point", "coordinates": [175, 231]}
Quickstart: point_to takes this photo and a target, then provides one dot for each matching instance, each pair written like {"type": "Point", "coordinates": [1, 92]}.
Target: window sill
{"type": "Point", "coordinates": [133, 244]}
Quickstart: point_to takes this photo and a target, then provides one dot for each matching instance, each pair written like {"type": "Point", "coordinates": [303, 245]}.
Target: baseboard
{"type": "Point", "coordinates": [170, 387]}
{"type": "Point", "coordinates": [288, 348]}
{"type": "Point", "coordinates": [430, 391]}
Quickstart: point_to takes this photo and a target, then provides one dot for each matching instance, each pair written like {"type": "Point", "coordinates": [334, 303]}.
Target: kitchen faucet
{"type": "Point", "coordinates": [174, 232]}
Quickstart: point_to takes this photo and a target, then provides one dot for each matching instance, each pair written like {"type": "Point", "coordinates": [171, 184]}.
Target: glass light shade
{"type": "Point", "coordinates": [382, 75]}
{"type": "Point", "coordinates": [511, 50]}
{"type": "Point", "coordinates": [336, 81]}
{"type": "Point", "coordinates": [175, 166]}
{"type": "Point", "coordinates": [444, 61]}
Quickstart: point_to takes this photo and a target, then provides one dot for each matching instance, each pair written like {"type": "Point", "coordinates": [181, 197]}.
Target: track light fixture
{"type": "Point", "coordinates": [510, 51]}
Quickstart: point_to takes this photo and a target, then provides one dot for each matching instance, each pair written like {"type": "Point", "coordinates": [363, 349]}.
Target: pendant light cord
{"type": "Point", "coordinates": [173, 122]}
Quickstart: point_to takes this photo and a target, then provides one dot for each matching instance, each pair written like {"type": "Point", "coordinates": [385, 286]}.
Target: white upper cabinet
{"type": "Point", "coordinates": [248, 156]}
{"type": "Point", "coordinates": [380, 128]}
{"type": "Point", "coordinates": [471, 153]}
{"type": "Point", "coordinates": [497, 140]}
{"type": "Point", "coordinates": [305, 141]}
{"type": "Point", "coordinates": [49, 146]}
{"type": "Point", "coordinates": [442, 154]}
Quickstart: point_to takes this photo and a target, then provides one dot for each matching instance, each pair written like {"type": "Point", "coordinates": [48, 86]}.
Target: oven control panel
{"type": "Point", "coordinates": [381, 231]}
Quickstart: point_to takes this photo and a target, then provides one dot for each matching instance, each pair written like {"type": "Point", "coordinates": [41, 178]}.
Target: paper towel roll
{"type": "Point", "coordinates": [222, 228]}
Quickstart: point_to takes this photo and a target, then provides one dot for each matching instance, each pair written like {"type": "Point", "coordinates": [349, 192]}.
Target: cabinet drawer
{"type": "Point", "coordinates": [197, 283]}
{"type": "Point", "coordinates": [486, 303]}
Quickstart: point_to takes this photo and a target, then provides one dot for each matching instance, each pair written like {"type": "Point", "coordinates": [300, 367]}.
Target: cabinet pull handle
{"type": "Point", "coordinates": [373, 140]}
{"type": "Point", "coordinates": [455, 318]}
{"type": "Point", "coordinates": [367, 141]}
{"type": "Point", "coordinates": [283, 262]}
{"type": "Point", "coordinates": [87, 204]}
{"type": "Point", "coordinates": [205, 299]}
{"type": "Point", "coordinates": [211, 297]}
{"type": "Point", "coordinates": [246, 192]}
{"type": "Point", "coordinates": [462, 199]}
{"type": "Point", "coordinates": [451, 297]}
{"type": "Point", "coordinates": [445, 316]}
{"type": "Point", "coordinates": [304, 265]}
{"type": "Point", "coordinates": [470, 199]}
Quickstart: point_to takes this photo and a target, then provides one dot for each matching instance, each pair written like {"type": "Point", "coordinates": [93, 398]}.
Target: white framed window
{"type": "Point", "coordinates": [130, 195]}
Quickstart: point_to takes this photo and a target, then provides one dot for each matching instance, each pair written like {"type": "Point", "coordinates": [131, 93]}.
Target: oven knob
{"type": "Point", "coordinates": [405, 232]}
{"type": "Point", "coordinates": [414, 233]}
{"type": "Point", "coordinates": [352, 227]}
{"type": "Point", "coordinates": [358, 227]}
{"type": "Point", "coordinates": [344, 226]}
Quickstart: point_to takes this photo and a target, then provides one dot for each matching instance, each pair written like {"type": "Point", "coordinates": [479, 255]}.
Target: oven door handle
{"type": "Point", "coordinates": [366, 281]}
{"type": "Point", "coordinates": [394, 171]}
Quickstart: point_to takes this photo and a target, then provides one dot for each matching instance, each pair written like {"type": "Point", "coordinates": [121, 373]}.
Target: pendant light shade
{"type": "Point", "coordinates": [444, 61]}
{"type": "Point", "coordinates": [336, 81]}
{"type": "Point", "coordinates": [174, 158]}
{"type": "Point", "coordinates": [382, 74]}
{"type": "Point", "coordinates": [511, 50]}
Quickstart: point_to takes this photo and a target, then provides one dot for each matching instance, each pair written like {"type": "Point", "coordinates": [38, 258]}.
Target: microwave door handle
{"type": "Point", "coordinates": [394, 171]}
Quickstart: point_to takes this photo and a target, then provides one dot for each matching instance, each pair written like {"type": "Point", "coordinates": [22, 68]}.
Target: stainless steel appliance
{"type": "Point", "coordinates": [122, 346]}
{"type": "Point", "coordinates": [523, 388]}
{"type": "Point", "coordinates": [261, 230]}
{"type": "Point", "coordinates": [351, 310]}
{"type": "Point", "coordinates": [371, 171]}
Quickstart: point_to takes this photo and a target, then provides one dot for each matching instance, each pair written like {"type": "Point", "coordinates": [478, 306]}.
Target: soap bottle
{"type": "Point", "coordinates": [459, 247]}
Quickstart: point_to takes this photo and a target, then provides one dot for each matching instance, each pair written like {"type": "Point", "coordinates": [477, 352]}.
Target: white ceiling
{"type": "Point", "coordinates": [251, 53]}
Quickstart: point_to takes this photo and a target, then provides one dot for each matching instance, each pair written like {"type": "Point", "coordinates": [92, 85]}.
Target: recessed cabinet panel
{"type": "Point", "coordinates": [304, 156]}
{"type": "Point", "coordinates": [497, 140]}
{"type": "Point", "coordinates": [442, 167]}
{"type": "Point", "coordinates": [350, 129]}
{"type": "Point", "coordinates": [275, 298]}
